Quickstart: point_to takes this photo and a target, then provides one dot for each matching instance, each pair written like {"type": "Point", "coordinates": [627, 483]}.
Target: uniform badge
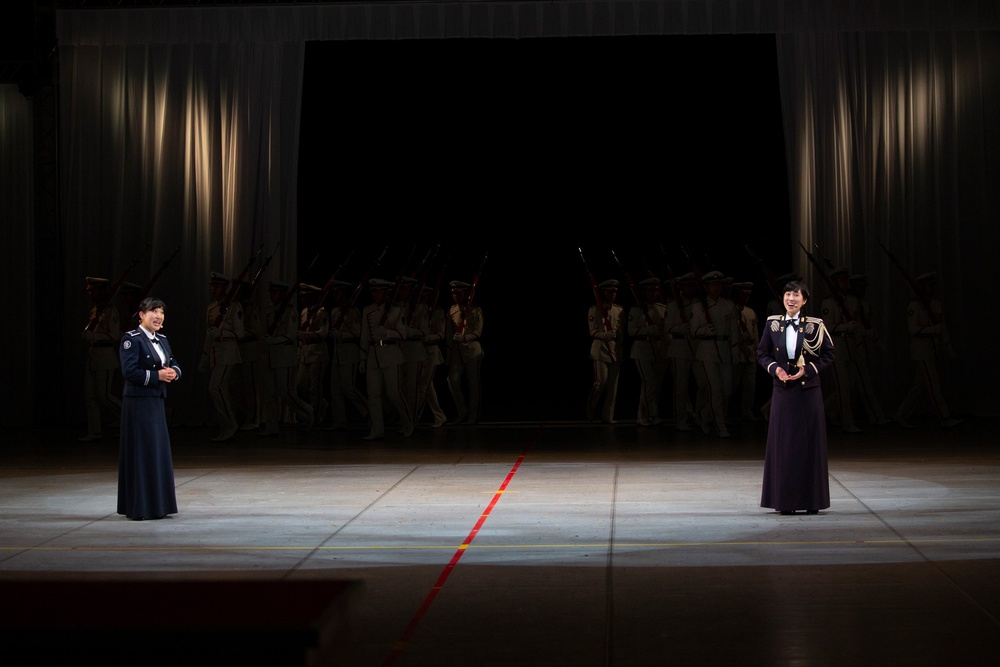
{"type": "Point", "coordinates": [775, 326]}
{"type": "Point", "coordinates": [126, 344]}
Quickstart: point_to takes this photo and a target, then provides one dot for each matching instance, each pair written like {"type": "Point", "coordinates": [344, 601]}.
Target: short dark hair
{"type": "Point", "coordinates": [151, 303]}
{"type": "Point", "coordinates": [797, 286]}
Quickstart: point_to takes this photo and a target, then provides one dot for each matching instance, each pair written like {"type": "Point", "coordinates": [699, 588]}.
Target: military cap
{"type": "Point", "coordinates": [275, 284]}
{"type": "Point", "coordinates": [649, 282]}
{"type": "Point", "coordinates": [379, 283]}
{"type": "Point", "coordinates": [609, 284]}
{"type": "Point", "coordinates": [306, 288]}
{"type": "Point", "coordinates": [93, 282]}
{"type": "Point", "coordinates": [713, 277]}
{"type": "Point", "coordinates": [407, 280]}
{"type": "Point", "coordinates": [789, 277]}
{"type": "Point", "coordinates": [743, 286]}
{"type": "Point", "coordinates": [859, 278]}
{"type": "Point", "coordinates": [686, 278]}
{"type": "Point", "coordinates": [840, 272]}
{"type": "Point", "coordinates": [340, 283]}
{"type": "Point", "coordinates": [132, 286]}
{"type": "Point", "coordinates": [216, 277]}
{"type": "Point", "coordinates": [458, 284]}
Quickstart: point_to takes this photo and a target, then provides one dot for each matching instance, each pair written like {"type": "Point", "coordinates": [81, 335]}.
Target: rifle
{"type": "Point", "coordinates": [286, 298]}
{"type": "Point", "coordinates": [396, 285]}
{"type": "Point", "coordinates": [245, 294]}
{"type": "Point", "coordinates": [777, 289]}
{"type": "Point", "coordinates": [321, 297]}
{"type": "Point", "coordinates": [652, 340]}
{"type": "Point", "coordinates": [597, 292]}
{"type": "Point", "coordinates": [359, 285]}
{"type": "Point", "coordinates": [673, 287]}
{"type": "Point", "coordinates": [234, 289]}
{"type": "Point", "coordinates": [428, 261]}
{"type": "Point", "coordinates": [830, 283]}
{"type": "Point", "coordinates": [472, 293]}
{"type": "Point", "coordinates": [113, 292]}
{"type": "Point", "coordinates": [148, 287]}
{"type": "Point", "coordinates": [914, 286]}
{"type": "Point", "coordinates": [631, 283]}
{"type": "Point", "coordinates": [826, 260]}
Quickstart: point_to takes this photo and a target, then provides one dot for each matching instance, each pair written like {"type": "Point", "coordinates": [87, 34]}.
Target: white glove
{"type": "Point", "coordinates": [609, 335]}
{"type": "Point", "coordinates": [270, 340]}
{"type": "Point", "coordinates": [215, 332]}
{"type": "Point", "coordinates": [460, 338]}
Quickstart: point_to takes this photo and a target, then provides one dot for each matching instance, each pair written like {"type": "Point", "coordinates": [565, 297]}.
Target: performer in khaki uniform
{"type": "Point", "coordinates": [222, 353]}
{"type": "Point", "coordinates": [716, 330]}
{"type": "Point", "coordinates": [251, 355]}
{"type": "Point", "coordinates": [314, 326]}
{"type": "Point", "coordinates": [646, 330]}
{"type": "Point", "coordinates": [426, 391]}
{"type": "Point", "coordinates": [745, 352]}
{"type": "Point", "coordinates": [382, 329]}
{"type": "Point", "coordinates": [681, 348]}
{"type": "Point", "coordinates": [860, 353]}
{"type": "Point", "coordinates": [929, 340]}
{"type": "Point", "coordinates": [345, 331]}
{"type": "Point", "coordinates": [607, 333]}
{"type": "Point", "coordinates": [465, 354]}
{"type": "Point", "coordinates": [101, 333]}
{"type": "Point", "coordinates": [281, 360]}
{"type": "Point", "coordinates": [840, 312]}
{"type": "Point", "coordinates": [415, 315]}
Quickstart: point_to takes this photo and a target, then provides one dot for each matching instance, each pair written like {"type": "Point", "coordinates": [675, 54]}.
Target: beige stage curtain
{"type": "Point", "coordinates": [892, 141]}
{"type": "Point", "coordinates": [177, 144]}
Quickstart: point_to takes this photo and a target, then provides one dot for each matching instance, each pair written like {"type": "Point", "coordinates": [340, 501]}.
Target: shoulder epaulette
{"type": "Point", "coordinates": [775, 317]}
{"type": "Point", "coordinates": [133, 332]}
{"type": "Point", "coordinates": [817, 320]}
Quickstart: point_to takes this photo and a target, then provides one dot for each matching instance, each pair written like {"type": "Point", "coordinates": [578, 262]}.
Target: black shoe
{"type": "Point", "coordinates": [787, 512]}
{"type": "Point", "coordinates": [812, 511]}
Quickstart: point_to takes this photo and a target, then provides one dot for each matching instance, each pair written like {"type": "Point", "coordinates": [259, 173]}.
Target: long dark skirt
{"type": "Point", "coordinates": [145, 463]}
{"type": "Point", "coordinates": [795, 463]}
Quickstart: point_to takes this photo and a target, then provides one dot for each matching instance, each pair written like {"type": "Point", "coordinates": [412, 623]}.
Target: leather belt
{"type": "Point", "coordinates": [382, 343]}
{"type": "Point", "coordinates": [712, 337]}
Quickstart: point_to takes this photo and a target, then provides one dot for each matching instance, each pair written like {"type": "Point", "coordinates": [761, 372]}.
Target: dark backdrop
{"type": "Point", "coordinates": [522, 151]}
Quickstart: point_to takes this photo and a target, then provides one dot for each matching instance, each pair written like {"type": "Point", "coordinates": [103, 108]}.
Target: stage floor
{"type": "Point", "coordinates": [553, 543]}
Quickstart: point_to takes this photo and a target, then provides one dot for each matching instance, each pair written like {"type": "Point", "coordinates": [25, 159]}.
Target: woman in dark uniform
{"type": "Point", "coordinates": [793, 350]}
{"type": "Point", "coordinates": [145, 464]}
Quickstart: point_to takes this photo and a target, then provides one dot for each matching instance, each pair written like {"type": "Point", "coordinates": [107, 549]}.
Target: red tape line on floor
{"type": "Point", "coordinates": [404, 639]}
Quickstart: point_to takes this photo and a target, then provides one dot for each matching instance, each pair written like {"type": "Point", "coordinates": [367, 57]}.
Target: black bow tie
{"type": "Point", "coordinates": [155, 340]}
{"type": "Point", "coordinates": [791, 323]}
